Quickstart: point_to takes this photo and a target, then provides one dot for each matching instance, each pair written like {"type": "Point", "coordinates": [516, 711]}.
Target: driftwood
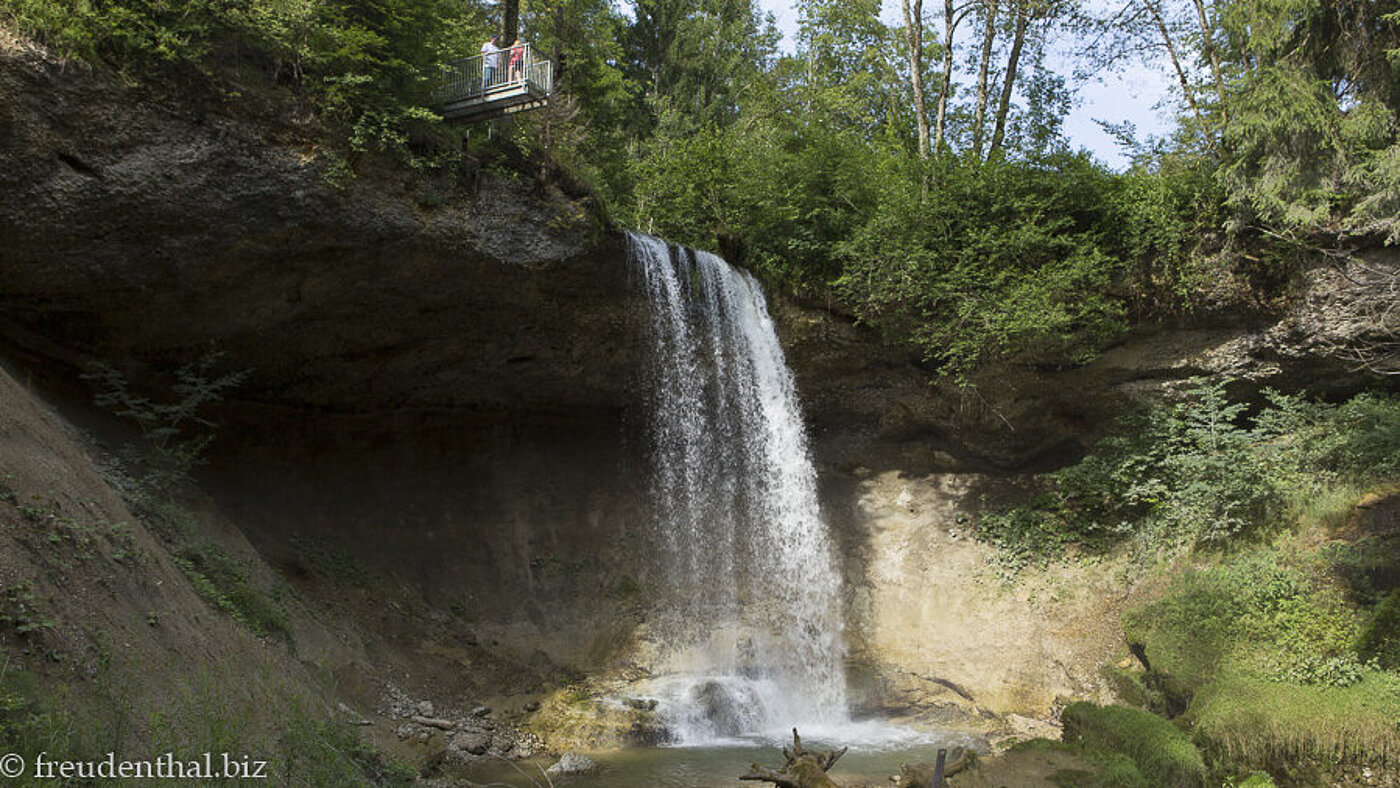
{"type": "Point", "coordinates": [921, 775]}
{"type": "Point", "coordinates": [804, 768]}
{"type": "Point", "coordinates": [433, 722]}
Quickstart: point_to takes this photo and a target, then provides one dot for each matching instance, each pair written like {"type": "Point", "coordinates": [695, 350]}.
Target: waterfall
{"type": "Point", "coordinates": [750, 620]}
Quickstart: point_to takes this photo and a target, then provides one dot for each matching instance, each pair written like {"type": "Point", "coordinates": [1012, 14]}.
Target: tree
{"type": "Point", "coordinates": [698, 58]}
{"type": "Point", "coordinates": [847, 76]}
{"type": "Point", "coordinates": [1021, 13]}
{"type": "Point", "coordinates": [1031, 22]}
{"type": "Point", "coordinates": [984, 61]}
{"type": "Point", "coordinates": [510, 23]}
{"type": "Point", "coordinates": [1311, 136]}
{"type": "Point", "coordinates": [914, 41]}
{"type": "Point", "coordinates": [953, 16]}
{"type": "Point", "coordinates": [1154, 9]}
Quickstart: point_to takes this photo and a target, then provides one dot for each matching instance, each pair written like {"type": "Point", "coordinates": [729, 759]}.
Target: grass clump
{"type": "Point", "coordinates": [210, 711]}
{"type": "Point", "coordinates": [1249, 720]}
{"type": "Point", "coordinates": [1105, 768]}
{"type": "Point", "coordinates": [1161, 751]}
{"type": "Point", "coordinates": [28, 726]}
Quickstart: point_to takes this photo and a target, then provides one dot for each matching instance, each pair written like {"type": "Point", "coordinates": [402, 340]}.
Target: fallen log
{"type": "Point", "coordinates": [433, 722]}
{"type": "Point", "coordinates": [804, 768]}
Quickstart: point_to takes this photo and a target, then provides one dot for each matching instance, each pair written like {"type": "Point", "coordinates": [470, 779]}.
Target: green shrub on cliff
{"type": "Point", "coordinates": [1203, 470]}
{"type": "Point", "coordinates": [367, 67]}
{"type": "Point", "coordinates": [973, 263]}
{"type": "Point", "coordinates": [1191, 473]}
{"type": "Point", "coordinates": [1262, 613]}
{"type": "Point", "coordinates": [1268, 661]}
{"type": "Point", "coordinates": [1380, 637]}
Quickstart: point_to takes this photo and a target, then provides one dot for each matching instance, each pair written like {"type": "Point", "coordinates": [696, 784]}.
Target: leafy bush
{"type": "Point", "coordinates": [1256, 615]}
{"type": "Point", "coordinates": [973, 262]}
{"type": "Point", "coordinates": [1193, 473]}
{"type": "Point", "coordinates": [1204, 470]}
{"type": "Point", "coordinates": [1380, 637]}
{"type": "Point", "coordinates": [1161, 751]}
{"type": "Point", "coordinates": [175, 431]}
{"type": "Point", "coordinates": [367, 67]}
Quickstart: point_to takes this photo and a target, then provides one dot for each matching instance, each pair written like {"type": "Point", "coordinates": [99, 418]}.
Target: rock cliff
{"type": "Point", "coordinates": [436, 438]}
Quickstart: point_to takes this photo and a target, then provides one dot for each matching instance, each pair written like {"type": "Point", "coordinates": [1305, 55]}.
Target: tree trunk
{"type": "Point", "coordinates": [1181, 75]}
{"type": "Point", "coordinates": [1208, 44]}
{"type": "Point", "coordinates": [1018, 42]}
{"type": "Point", "coordinates": [512, 21]}
{"type": "Point", "coordinates": [920, 775]}
{"type": "Point", "coordinates": [979, 120]}
{"type": "Point", "coordinates": [950, 27]}
{"type": "Point", "coordinates": [804, 768]}
{"type": "Point", "coordinates": [914, 38]}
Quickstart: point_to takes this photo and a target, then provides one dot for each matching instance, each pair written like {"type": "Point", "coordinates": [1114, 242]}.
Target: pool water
{"type": "Point", "coordinates": [721, 763]}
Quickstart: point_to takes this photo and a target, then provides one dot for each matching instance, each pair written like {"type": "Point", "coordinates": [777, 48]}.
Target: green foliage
{"type": "Point", "coordinates": [224, 583]}
{"type": "Point", "coordinates": [137, 38]}
{"type": "Point", "coordinates": [1192, 473]}
{"type": "Point", "coordinates": [1160, 749]}
{"type": "Point", "coordinates": [368, 67]}
{"type": "Point", "coordinates": [1259, 723]}
{"type": "Point", "coordinates": [28, 725]}
{"type": "Point", "coordinates": [693, 60]}
{"type": "Point", "coordinates": [175, 431]}
{"type": "Point", "coordinates": [1271, 654]}
{"type": "Point", "coordinates": [318, 751]}
{"type": "Point", "coordinates": [204, 713]}
{"type": "Point", "coordinates": [1257, 614]}
{"type": "Point", "coordinates": [1170, 215]}
{"type": "Point", "coordinates": [1200, 472]}
{"type": "Point", "coordinates": [974, 262]}
{"type": "Point", "coordinates": [1310, 128]}
{"type": "Point", "coordinates": [1107, 769]}
{"type": "Point", "coordinates": [1264, 658]}
{"type": "Point", "coordinates": [19, 609]}
{"type": "Point", "coordinates": [1380, 637]}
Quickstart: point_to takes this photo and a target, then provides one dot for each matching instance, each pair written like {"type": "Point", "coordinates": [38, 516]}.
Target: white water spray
{"type": "Point", "coordinates": [752, 624]}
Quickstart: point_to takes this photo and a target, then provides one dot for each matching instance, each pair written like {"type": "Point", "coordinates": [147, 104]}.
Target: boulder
{"type": "Point", "coordinates": [573, 763]}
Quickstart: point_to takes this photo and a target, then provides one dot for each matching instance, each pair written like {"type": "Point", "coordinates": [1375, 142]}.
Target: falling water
{"type": "Point", "coordinates": [752, 623]}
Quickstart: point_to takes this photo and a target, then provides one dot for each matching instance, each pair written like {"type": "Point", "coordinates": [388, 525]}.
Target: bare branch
{"type": "Point", "coordinates": [757, 772]}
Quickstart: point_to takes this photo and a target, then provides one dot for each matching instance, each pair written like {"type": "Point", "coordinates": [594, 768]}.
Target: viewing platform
{"type": "Point", "coordinates": [469, 93]}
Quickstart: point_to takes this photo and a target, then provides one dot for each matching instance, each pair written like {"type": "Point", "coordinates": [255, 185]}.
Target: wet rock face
{"type": "Point", "coordinates": [131, 231]}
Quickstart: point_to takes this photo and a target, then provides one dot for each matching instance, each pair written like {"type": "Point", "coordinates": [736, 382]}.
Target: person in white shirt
{"type": "Point", "coordinates": [490, 61]}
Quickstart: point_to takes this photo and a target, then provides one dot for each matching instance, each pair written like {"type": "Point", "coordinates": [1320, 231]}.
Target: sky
{"type": "Point", "coordinates": [1139, 94]}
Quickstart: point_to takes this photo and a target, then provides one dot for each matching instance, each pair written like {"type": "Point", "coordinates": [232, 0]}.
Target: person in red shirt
{"type": "Point", "coordinates": [517, 60]}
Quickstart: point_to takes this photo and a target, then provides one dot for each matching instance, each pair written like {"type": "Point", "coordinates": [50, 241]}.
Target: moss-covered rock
{"type": "Point", "coordinates": [1162, 752]}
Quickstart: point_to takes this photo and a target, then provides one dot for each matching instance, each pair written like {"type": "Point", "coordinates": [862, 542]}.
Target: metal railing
{"type": "Point", "coordinates": [514, 67]}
